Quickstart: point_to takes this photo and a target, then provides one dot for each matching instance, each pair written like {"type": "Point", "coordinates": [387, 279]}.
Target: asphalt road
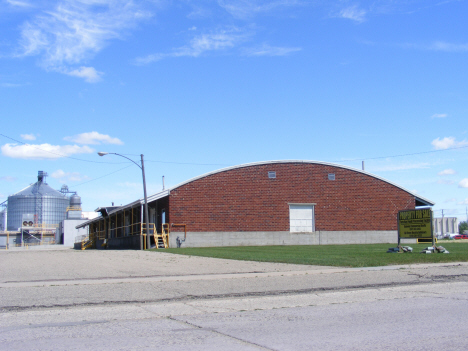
{"type": "Point", "coordinates": [128, 300]}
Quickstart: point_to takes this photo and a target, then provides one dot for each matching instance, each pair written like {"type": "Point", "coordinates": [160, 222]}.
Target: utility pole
{"type": "Point", "coordinates": [442, 224]}
{"type": "Point", "coordinates": [148, 237]}
{"type": "Point", "coordinates": [145, 218]}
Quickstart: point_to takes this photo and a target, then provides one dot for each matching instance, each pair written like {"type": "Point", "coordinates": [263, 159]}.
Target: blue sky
{"type": "Point", "coordinates": [196, 86]}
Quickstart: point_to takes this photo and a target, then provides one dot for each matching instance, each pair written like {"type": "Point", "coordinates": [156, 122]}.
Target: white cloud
{"type": "Point", "coordinates": [445, 181]}
{"type": "Point", "coordinates": [401, 167]}
{"type": "Point", "coordinates": [68, 176]}
{"type": "Point", "coordinates": [151, 58]}
{"type": "Point", "coordinates": [199, 11]}
{"type": "Point", "coordinates": [353, 13]}
{"type": "Point", "coordinates": [72, 31]}
{"type": "Point", "coordinates": [216, 41]}
{"type": "Point", "coordinates": [267, 50]}
{"type": "Point", "coordinates": [28, 136]}
{"type": "Point", "coordinates": [245, 9]}
{"type": "Point", "coordinates": [93, 138]}
{"type": "Point", "coordinates": [43, 151]}
{"type": "Point", "coordinates": [439, 115]}
{"type": "Point", "coordinates": [10, 85]}
{"type": "Point", "coordinates": [447, 172]}
{"type": "Point", "coordinates": [463, 183]}
{"type": "Point", "coordinates": [213, 41]}
{"type": "Point", "coordinates": [464, 202]}
{"type": "Point", "coordinates": [19, 3]}
{"type": "Point", "coordinates": [438, 46]}
{"type": "Point", "coordinates": [89, 74]}
{"type": "Point", "coordinates": [449, 47]}
{"type": "Point", "coordinates": [130, 185]}
{"type": "Point", "coordinates": [8, 178]}
{"type": "Point", "coordinates": [447, 143]}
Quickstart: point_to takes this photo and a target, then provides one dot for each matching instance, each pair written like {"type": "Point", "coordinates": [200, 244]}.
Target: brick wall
{"type": "Point", "coordinates": [245, 199]}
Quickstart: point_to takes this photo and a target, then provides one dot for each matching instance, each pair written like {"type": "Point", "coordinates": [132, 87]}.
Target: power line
{"type": "Point", "coordinates": [92, 180]}
{"type": "Point", "coordinates": [223, 164]}
{"type": "Point", "coordinates": [190, 163]}
{"type": "Point", "coordinates": [348, 160]}
{"type": "Point", "coordinates": [411, 154]}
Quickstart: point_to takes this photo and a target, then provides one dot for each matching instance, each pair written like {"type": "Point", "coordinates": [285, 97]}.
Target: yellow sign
{"type": "Point", "coordinates": [415, 224]}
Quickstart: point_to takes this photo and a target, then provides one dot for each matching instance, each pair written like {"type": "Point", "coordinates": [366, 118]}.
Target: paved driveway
{"type": "Point", "coordinates": [107, 300]}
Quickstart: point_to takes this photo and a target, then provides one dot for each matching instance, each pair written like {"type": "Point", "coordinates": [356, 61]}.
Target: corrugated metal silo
{"type": "Point", "coordinates": [75, 201]}
{"type": "Point", "coordinates": [49, 206]}
{"type": "Point", "coordinates": [3, 216]}
{"type": "Point", "coordinates": [74, 211]}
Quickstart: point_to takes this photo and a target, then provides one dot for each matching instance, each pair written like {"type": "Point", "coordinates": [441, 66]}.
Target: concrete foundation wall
{"type": "Point", "coordinates": [211, 239]}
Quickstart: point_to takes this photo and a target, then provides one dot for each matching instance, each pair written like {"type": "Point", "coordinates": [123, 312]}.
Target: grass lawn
{"type": "Point", "coordinates": [370, 255]}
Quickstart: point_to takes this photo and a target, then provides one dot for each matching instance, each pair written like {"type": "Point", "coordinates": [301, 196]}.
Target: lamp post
{"type": "Point", "coordinates": [142, 167]}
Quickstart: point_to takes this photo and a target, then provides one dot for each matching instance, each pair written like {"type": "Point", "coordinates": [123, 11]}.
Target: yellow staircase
{"type": "Point", "coordinates": [89, 242]}
{"type": "Point", "coordinates": [162, 240]}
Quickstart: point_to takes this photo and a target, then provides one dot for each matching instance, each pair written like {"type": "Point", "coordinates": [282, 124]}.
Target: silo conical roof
{"type": "Point", "coordinates": [46, 204]}
{"type": "Point", "coordinates": [39, 188]}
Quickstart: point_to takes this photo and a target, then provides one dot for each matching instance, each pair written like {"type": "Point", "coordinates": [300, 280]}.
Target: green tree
{"type": "Point", "coordinates": [462, 226]}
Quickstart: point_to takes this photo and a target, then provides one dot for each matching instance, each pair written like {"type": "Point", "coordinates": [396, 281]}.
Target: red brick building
{"type": "Point", "coordinates": [278, 203]}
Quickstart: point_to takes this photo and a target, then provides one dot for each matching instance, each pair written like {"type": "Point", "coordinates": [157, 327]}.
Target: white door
{"type": "Point", "coordinates": [301, 218]}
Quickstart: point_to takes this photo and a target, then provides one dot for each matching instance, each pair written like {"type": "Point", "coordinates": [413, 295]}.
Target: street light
{"type": "Point", "coordinates": [142, 167]}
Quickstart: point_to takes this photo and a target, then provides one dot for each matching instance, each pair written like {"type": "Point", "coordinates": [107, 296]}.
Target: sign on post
{"type": "Point", "coordinates": [415, 224]}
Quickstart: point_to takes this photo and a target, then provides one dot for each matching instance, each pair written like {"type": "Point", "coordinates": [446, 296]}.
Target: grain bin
{"type": "Point", "coordinates": [49, 206]}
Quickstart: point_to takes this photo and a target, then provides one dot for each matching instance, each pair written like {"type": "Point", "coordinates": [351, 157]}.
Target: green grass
{"type": "Point", "coordinates": [370, 255]}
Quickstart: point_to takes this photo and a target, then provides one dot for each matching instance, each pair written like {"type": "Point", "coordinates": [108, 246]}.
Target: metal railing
{"type": "Point", "coordinates": [161, 239]}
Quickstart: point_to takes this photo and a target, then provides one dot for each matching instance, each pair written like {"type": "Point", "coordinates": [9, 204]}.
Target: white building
{"type": "Point", "coordinates": [445, 226]}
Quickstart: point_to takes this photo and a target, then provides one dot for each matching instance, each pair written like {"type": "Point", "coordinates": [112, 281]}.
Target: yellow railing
{"type": "Point", "coordinates": [99, 233]}
{"type": "Point", "coordinates": [89, 242]}
{"type": "Point", "coordinates": [74, 208]}
{"type": "Point", "coordinates": [37, 240]}
{"type": "Point", "coordinates": [165, 231]}
{"type": "Point", "coordinates": [163, 236]}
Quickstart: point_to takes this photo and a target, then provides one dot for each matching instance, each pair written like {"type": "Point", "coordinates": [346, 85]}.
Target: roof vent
{"type": "Point", "coordinates": [331, 176]}
{"type": "Point", "coordinates": [272, 175]}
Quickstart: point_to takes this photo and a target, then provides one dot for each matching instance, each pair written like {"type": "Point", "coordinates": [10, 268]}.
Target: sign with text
{"type": "Point", "coordinates": [415, 223]}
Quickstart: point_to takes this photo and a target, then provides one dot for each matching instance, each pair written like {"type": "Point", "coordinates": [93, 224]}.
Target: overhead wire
{"type": "Point", "coordinates": [402, 155]}
{"type": "Point", "coordinates": [345, 160]}
{"type": "Point", "coordinates": [212, 164]}
{"type": "Point", "coordinates": [224, 164]}
{"type": "Point", "coordinates": [92, 180]}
